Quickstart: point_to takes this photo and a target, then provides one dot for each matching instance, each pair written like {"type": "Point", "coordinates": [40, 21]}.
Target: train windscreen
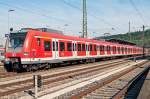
{"type": "Point", "coordinates": [16, 40]}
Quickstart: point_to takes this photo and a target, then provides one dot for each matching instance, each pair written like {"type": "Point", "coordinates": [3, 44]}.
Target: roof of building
{"type": "Point", "coordinates": [120, 41]}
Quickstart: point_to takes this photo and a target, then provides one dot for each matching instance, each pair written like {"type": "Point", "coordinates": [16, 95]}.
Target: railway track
{"type": "Point", "coordinates": [4, 76]}
{"type": "Point", "coordinates": [18, 86]}
{"type": "Point", "coordinates": [111, 87]}
{"type": "Point", "coordinates": [13, 75]}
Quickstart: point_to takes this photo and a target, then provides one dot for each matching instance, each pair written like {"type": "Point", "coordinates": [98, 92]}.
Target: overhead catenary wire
{"type": "Point", "coordinates": [92, 15]}
{"type": "Point", "coordinates": [31, 12]}
{"type": "Point", "coordinates": [138, 11]}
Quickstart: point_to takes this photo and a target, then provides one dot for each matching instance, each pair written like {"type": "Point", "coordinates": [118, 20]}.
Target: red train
{"type": "Point", "coordinates": [30, 49]}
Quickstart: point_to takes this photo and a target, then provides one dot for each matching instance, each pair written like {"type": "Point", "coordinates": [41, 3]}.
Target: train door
{"type": "Point", "coordinates": [87, 49]}
{"type": "Point", "coordinates": [55, 49]}
{"type": "Point", "coordinates": [75, 49]}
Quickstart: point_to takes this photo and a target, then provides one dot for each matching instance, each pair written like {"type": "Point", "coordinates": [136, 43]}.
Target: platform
{"type": "Point", "coordinates": [145, 89]}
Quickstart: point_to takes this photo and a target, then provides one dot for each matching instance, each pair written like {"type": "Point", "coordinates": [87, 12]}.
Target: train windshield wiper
{"type": "Point", "coordinates": [16, 46]}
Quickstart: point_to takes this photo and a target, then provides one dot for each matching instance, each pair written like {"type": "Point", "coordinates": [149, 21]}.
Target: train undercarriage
{"type": "Point", "coordinates": [14, 64]}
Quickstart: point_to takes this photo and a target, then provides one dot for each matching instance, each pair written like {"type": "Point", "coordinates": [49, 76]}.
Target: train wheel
{"type": "Point", "coordinates": [49, 66]}
{"type": "Point", "coordinates": [28, 69]}
{"type": "Point", "coordinates": [16, 67]}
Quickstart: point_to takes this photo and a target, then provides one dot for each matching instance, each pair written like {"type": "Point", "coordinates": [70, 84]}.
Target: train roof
{"type": "Point", "coordinates": [56, 35]}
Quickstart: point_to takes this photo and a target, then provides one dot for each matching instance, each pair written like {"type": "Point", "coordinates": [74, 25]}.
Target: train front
{"type": "Point", "coordinates": [14, 51]}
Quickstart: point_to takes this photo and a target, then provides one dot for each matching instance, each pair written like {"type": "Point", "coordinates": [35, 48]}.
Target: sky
{"type": "Point", "coordinates": [104, 16]}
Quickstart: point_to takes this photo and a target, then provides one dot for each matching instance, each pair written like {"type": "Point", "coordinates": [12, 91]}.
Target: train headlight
{"type": "Point", "coordinates": [26, 53]}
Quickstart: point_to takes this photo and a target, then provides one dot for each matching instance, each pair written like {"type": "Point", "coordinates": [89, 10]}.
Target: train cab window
{"type": "Point", "coordinates": [47, 46]}
{"type": "Point", "coordinates": [79, 47]}
{"type": "Point", "coordinates": [38, 41]}
{"type": "Point", "coordinates": [62, 46]}
{"type": "Point", "coordinates": [125, 49]}
{"type": "Point", "coordinates": [113, 48]}
{"type": "Point", "coordinates": [83, 47]}
{"type": "Point", "coordinates": [110, 48]}
{"type": "Point", "coordinates": [69, 46]}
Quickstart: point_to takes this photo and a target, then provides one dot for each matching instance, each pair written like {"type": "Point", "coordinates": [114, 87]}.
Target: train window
{"type": "Point", "coordinates": [79, 47]}
{"type": "Point", "coordinates": [62, 46]}
{"type": "Point", "coordinates": [105, 48]}
{"type": "Point", "coordinates": [83, 47]}
{"type": "Point", "coordinates": [115, 48]}
{"type": "Point", "coordinates": [118, 49]}
{"type": "Point", "coordinates": [101, 48]}
{"type": "Point", "coordinates": [38, 41]}
{"type": "Point", "coordinates": [88, 47]}
{"type": "Point", "coordinates": [95, 48]}
{"type": "Point", "coordinates": [69, 46]}
{"type": "Point", "coordinates": [122, 49]}
{"type": "Point", "coordinates": [47, 45]}
{"type": "Point", "coordinates": [108, 48]}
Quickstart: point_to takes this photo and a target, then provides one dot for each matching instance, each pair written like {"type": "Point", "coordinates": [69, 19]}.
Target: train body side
{"type": "Point", "coordinates": [42, 47]}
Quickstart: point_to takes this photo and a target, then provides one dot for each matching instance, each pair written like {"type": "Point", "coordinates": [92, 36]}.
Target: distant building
{"type": "Point", "coordinates": [120, 41]}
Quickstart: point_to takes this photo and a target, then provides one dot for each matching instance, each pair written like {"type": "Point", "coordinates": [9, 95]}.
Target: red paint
{"type": "Point", "coordinates": [37, 51]}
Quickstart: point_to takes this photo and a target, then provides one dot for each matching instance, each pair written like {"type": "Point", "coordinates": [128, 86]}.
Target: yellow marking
{"type": "Point", "coordinates": [42, 37]}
